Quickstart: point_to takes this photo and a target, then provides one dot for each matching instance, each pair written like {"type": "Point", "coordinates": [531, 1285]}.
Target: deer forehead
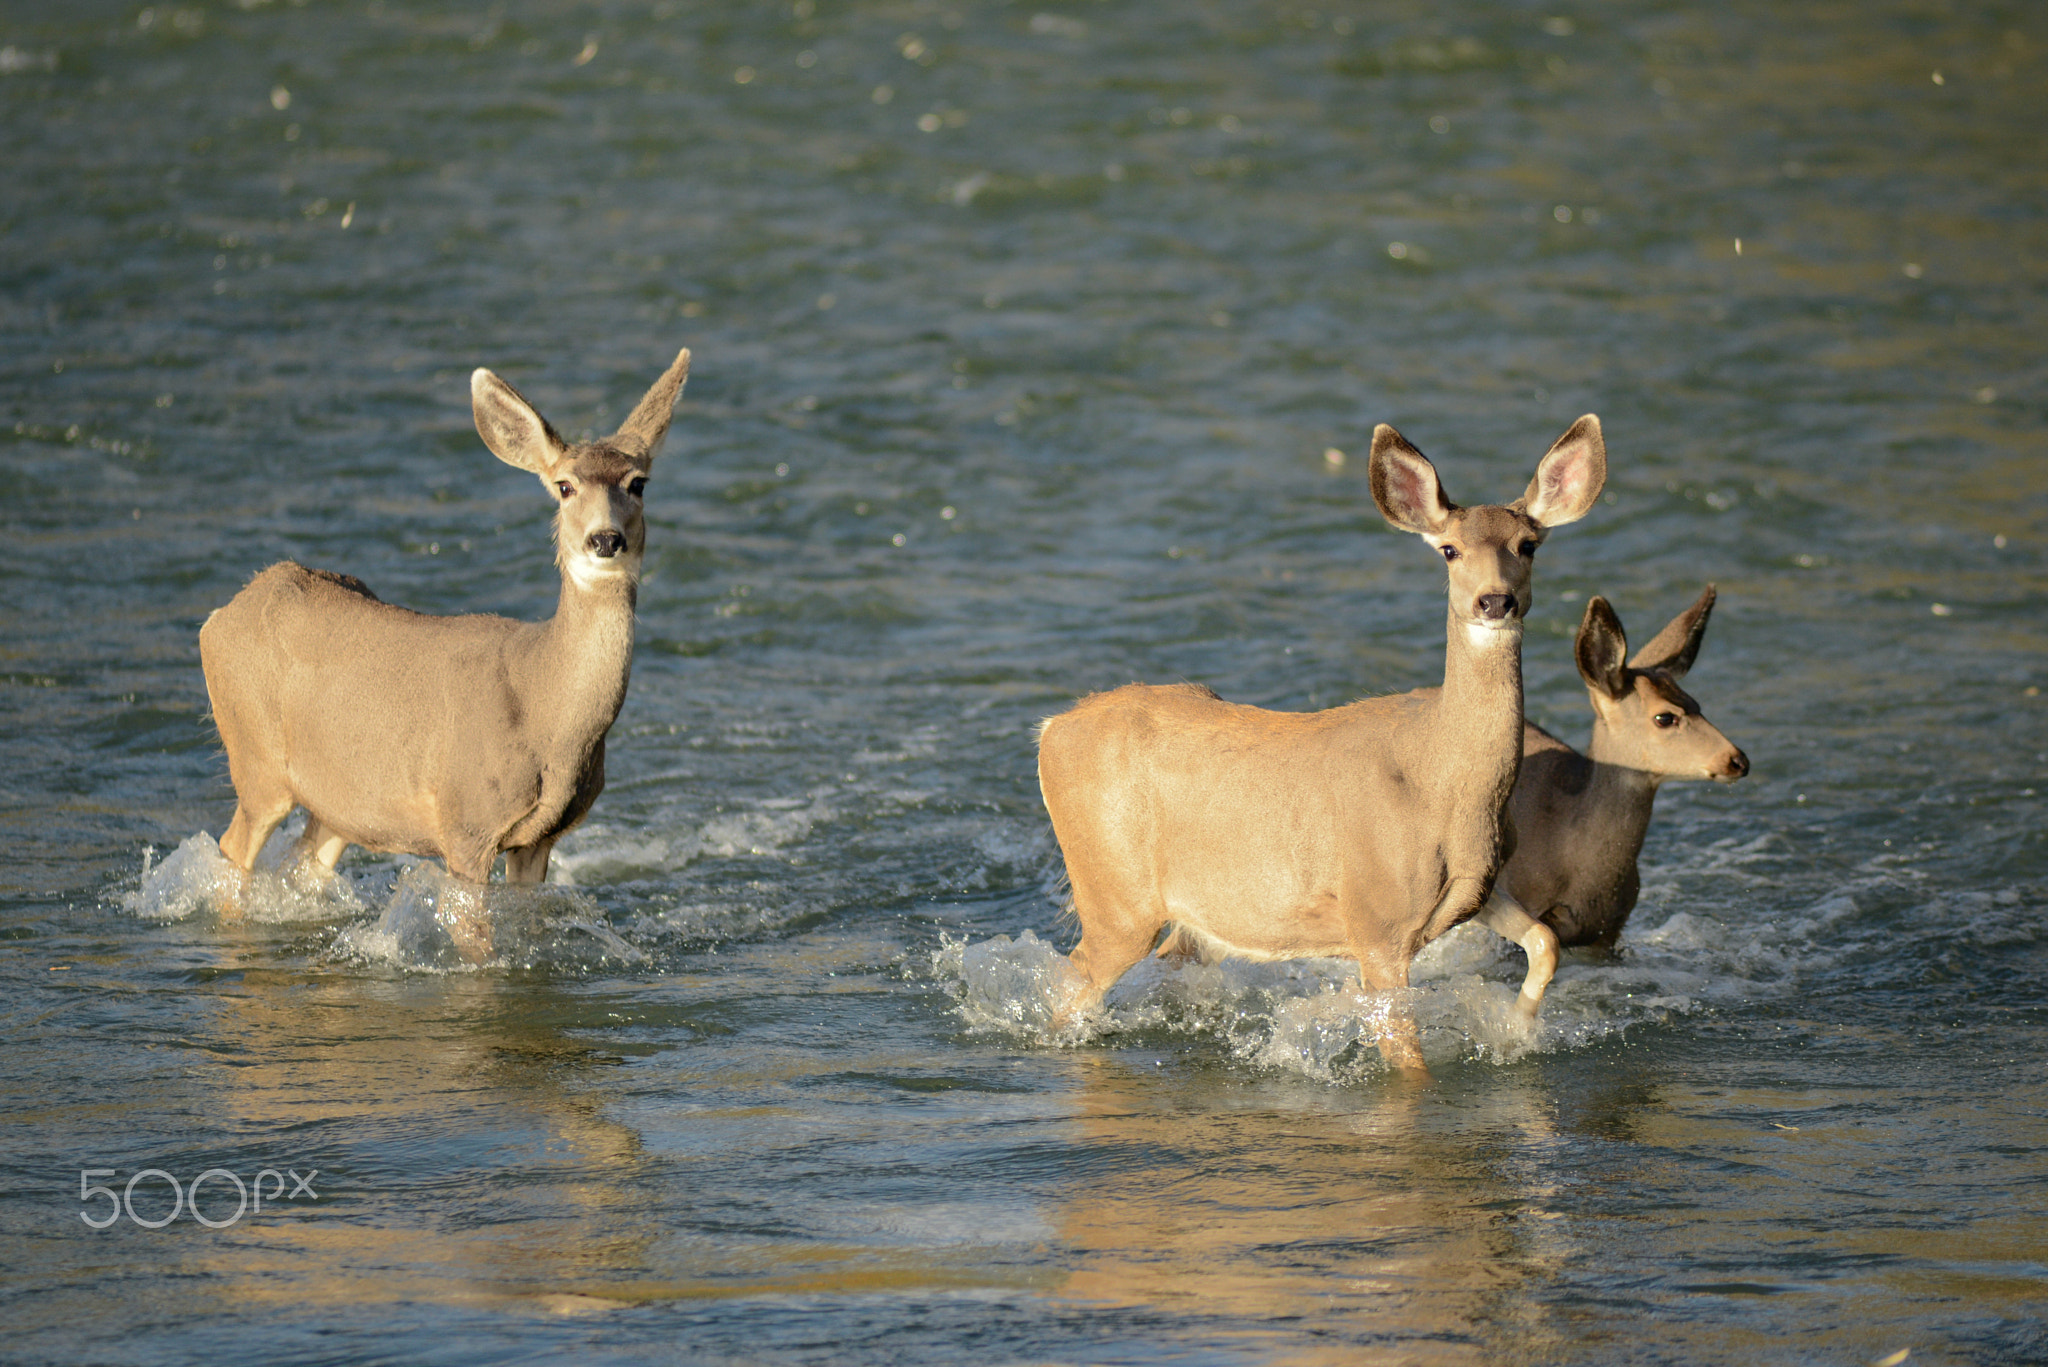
{"type": "Point", "coordinates": [599, 463]}
{"type": "Point", "coordinates": [1470, 528]}
{"type": "Point", "coordinates": [1653, 687]}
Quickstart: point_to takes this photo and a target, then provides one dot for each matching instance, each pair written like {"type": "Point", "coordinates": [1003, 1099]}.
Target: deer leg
{"type": "Point", "coordinates": [1105, 955]}
{"type": "Point", "coordinates": [1113, 938]}
{"type": "Point", "coordinates": [1401, 1044]}
{"type": "Point", "coordinates": [318, 844]}
{"type": "Point", "coordinates": [1180, 948]}
{"type": "Point", "coordinates": [463, 912]}
{"type": "Point", "coordinates": [251, 826]}
{"type": "Point", "coordinates": [530, 863]}
{"type": "Point", "coordinates": [1505, 917]}
{"type": "Point", "coordinates": [468, 922]}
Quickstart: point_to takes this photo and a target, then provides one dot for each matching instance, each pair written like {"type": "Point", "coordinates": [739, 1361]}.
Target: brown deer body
{"type": "Point", "coordinates": [1363, 831]}
{"type": "Point", "coordinates": [1580, 819]}
{"type": "Point", "coordinates": [461, 737]}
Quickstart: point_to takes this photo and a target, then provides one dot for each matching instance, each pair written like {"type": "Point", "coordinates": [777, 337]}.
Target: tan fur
{"type": "Point", "coordinates": [1364, 831]}
{"type": "Point", "coordinates": [453, 736]}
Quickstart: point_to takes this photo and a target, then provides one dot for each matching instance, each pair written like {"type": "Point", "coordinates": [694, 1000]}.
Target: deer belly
{"type": "Point", "coordinates": [1310, 929]}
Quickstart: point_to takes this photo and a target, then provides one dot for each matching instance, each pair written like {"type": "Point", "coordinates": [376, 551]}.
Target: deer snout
{"type": "Point", "coordinates": [606, 543]}
{"type": "Point", "coordinates": [1733, 767]}
{"type": "Point", "coordinates": [1496, 606]}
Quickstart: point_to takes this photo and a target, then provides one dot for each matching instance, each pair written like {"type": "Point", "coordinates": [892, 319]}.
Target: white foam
{"type": "Point", "coordinates": [1012, 986]}
{"type": "Point", "coordinates": [527, 925]}
{"type": "Point", "coordinates": [197, 878]}
{"type": "Point", "coordinates": [421, 927]}
{"type": "Point", "coordinates": [1312, 1017]}
{"type": "Point", "coordinates": [600, 853]}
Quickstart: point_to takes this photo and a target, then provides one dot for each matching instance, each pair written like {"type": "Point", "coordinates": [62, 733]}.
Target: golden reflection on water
{"type": "Point", "coordinates": [503, 1183]}
{"type": "Point", "coordinates": [1408, 1221]}
{"type": "Point", "coordinates": [398, 1063]}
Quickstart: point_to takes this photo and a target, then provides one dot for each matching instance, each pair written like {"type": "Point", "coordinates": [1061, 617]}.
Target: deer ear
{"type": "Point", "coordinates": [1405, 485]}
{"type": "Point", "coordinates": [1675, 647]}
{"type": "Point", "coordinates": [509, 425]}
{"type": "Point", "coordinates": [641, 433]}
{"type": "Point", "coordinates": [1600, 647]}
{"type": "Point", "coordinates": [1569, 477]}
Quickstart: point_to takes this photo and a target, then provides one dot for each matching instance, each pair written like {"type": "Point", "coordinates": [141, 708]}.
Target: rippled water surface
{"type": "Point", "coordinates": [1021, 334]}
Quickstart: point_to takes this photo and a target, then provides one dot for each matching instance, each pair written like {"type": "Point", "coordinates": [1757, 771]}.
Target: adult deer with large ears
{"type": "Point", "coordinates": [462, 737]}
{"type": "Point", "coordinates": [1361, 832]}
{"type": "Point", "coordinates": [1580, 819]}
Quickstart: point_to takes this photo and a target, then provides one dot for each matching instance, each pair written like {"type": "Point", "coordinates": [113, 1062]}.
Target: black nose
{"type": "Point", "coordinates": [606, 544]}
{"type": "Point", "coordinates": [1494, 606]}
{"type": "Point", "coordinates": [1738, 765]}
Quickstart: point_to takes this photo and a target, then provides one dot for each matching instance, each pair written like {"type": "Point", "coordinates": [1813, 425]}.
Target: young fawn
{"type": "Point", "coordinates": [1580, 819]}
{"type": "Point", "coordinates": [1364, 831]}
{"type": "Point", "coordinates": [462, 737]}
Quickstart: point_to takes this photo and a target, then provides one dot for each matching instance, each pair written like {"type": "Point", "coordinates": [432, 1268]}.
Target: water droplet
{"type": "Point", "coordinates": [280, 98]}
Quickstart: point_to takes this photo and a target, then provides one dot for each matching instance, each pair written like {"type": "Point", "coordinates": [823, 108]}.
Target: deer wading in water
{"type": "Point", "coordinates": [1580, 819]}
{"type": "Point", "coordinates": [463, 737]}
{"type": "Point", "coordinates": [1364, 831]}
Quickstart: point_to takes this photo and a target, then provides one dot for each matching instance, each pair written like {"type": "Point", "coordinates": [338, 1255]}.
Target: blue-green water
{"type": "Point", "coordinates": [1021, 333]}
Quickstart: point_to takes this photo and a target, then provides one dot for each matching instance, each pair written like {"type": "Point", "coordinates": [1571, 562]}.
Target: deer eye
{"type": "Point", "coordinates": [637, 488]}
{"type": "Point", "coordinates": [1450, 552]}
{"type": "Point", "coordinates": [1665, 720]}
{"type": "Point", "coordinates": [1528, 548]}
{"type": "Point", "coordinates": [565, 488]}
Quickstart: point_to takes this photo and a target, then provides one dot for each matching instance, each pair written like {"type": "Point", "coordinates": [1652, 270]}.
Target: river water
{"type": "Point", "coordinates": [1021, 335]}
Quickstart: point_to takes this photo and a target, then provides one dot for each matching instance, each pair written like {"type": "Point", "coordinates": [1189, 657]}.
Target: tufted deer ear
{"type": "Point", "coordinates": [1569, 478]}
{"type": "Point", "coordinates": [641, 433]}
{"type": "Point", "coordinates": [1675, 647]}
{"type": "Point", "coordinates": [1601, 647]}
{"type": "Point", "coordinates": [1405, 485]}
{"type": "Point", "coordinates": [510, 426]}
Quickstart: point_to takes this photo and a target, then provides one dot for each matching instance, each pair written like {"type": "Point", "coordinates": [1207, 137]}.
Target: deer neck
{"type": "Point", "coordinates": [1620, 794]}
{"type": "Point", "coordinates": [586, 652]}
{"type": "Point", "coordinates": [1480, 708]}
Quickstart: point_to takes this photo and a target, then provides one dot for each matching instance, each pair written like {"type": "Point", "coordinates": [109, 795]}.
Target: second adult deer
{"type": "Point", "coordinates": [461, 737]}
{"type": "Point", "coordinates": [1364, 831]}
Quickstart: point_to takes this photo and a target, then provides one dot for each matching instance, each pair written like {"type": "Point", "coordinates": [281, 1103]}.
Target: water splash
{"type": "Point", "coordinates": [197, 878]}
{"type": "Point", "coordinates": [1312, 1018]}
{"type": "Point", "coordinates": [435, 923]}
{"type": "Point", "coordinates": [428, 922]}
